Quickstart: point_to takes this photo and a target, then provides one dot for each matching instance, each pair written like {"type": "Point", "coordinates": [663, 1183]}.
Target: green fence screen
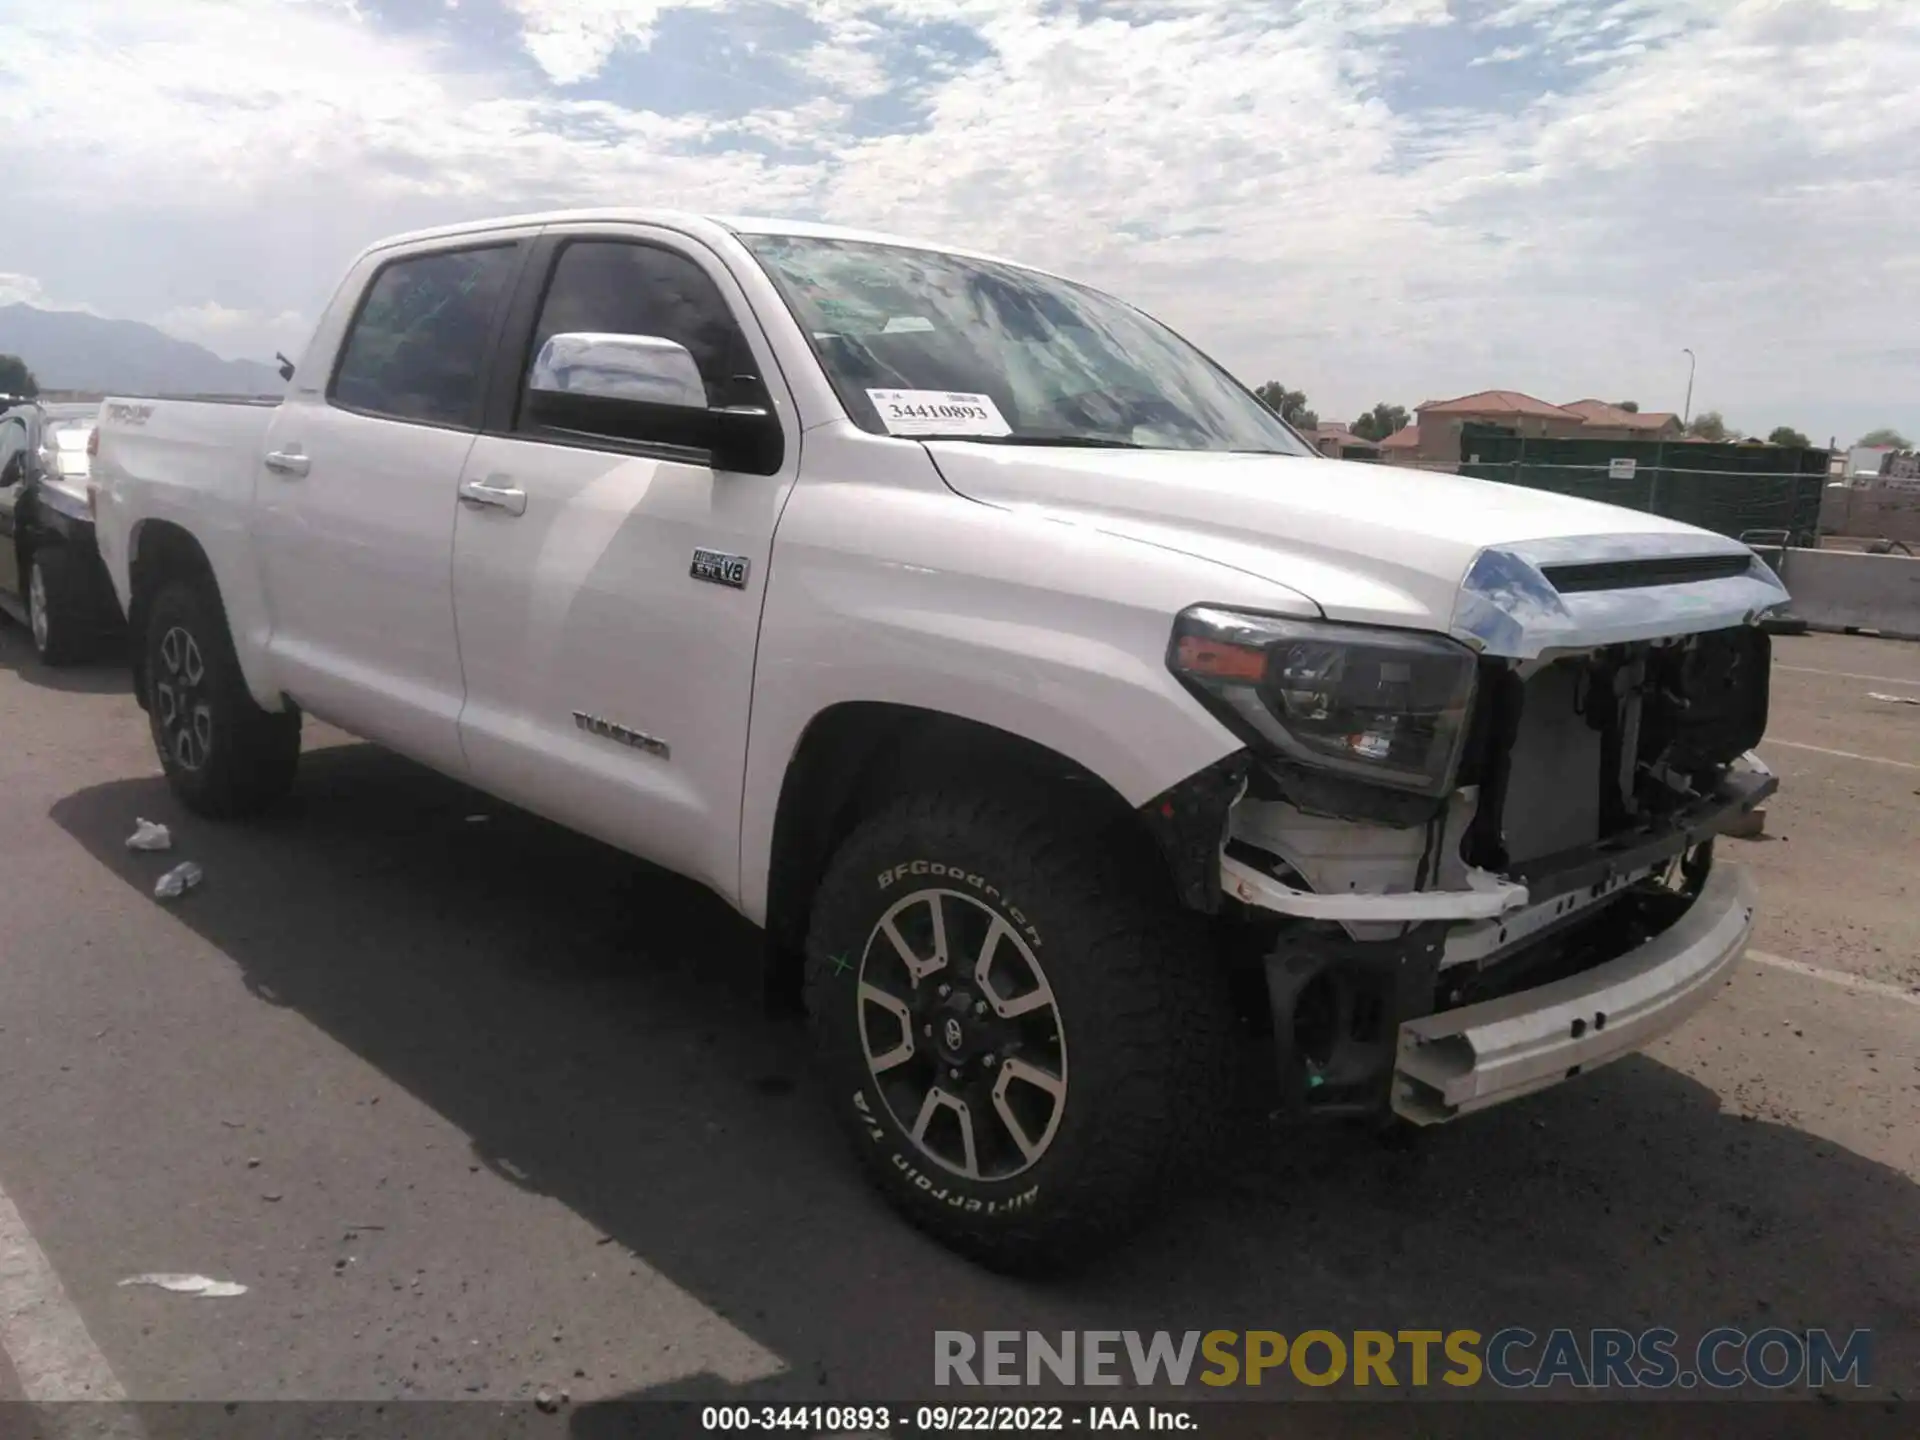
{"type": "Point", "coordinates": [1734, 489]}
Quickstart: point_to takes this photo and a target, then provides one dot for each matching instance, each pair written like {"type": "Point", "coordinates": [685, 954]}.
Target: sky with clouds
{"type": "Point", "coordinates": [1368, 199]}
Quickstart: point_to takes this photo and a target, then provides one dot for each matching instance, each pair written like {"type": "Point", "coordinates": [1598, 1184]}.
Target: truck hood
{"type": "Point", "coordinates": [1509, 570]}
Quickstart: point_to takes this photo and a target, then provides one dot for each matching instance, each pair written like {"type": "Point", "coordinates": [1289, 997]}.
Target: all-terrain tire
{"type": "Point", "coordinates": [1146, 1044]}
{"type": "Point", "coordinates": [225, 757]}
{"type": "Point", "coordinates": [56, 607]}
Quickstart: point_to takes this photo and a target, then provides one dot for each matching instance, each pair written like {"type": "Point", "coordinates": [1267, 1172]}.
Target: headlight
{"type": "Point", "coordinates": [1388, 707]}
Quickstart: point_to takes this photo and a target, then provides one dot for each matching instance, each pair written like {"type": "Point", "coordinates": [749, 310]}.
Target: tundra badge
{"type": "Point", "coordinates": [607, 730]}
{"type": "Point", "coordinates": [718, 569]}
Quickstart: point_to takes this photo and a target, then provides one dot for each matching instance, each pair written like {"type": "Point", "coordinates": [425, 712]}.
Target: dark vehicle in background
{"type": "Point", "coordinates": [51, 579]}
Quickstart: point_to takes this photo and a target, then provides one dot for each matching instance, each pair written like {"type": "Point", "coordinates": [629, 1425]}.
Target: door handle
{"type": "Point", "coordinates": [288, 462]}
{"type": "Point", "coordinates": [500, 497]}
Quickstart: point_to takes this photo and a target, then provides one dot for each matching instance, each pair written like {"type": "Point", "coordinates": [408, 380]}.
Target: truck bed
{"type": "Point", "coordinates": [189, 460]}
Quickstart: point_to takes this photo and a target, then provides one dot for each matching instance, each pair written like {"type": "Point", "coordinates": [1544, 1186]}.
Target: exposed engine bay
{"type": "Point", "coordinates": [1580, 824]}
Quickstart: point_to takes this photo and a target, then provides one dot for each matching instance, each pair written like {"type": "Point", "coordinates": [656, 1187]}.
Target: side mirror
{"type": "Point", "coordinates": [647, 388]}
{"type": "Point", "coordinates": [619, 367]}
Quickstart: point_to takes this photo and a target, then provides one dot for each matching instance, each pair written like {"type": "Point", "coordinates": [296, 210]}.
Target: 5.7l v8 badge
{"type": "Point", "coordinates": [719, 569]}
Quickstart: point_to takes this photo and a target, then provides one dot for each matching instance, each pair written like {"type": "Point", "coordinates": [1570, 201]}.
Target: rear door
{"type": "Point", "coordinates": [608, 686]}
{"type": "Point", "coordinates": [354, 509]}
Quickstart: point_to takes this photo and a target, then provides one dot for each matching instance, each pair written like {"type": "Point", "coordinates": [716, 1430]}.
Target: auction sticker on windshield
{"type": "Point", "coordinates": [938, 412]}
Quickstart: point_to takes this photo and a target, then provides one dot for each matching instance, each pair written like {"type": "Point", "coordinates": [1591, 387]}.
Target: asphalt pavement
{"type": "Point", "coordinates": [473, 1107]}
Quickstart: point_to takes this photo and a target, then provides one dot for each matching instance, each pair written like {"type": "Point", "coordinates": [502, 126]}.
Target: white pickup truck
{"type": "Point", "coordinates": [1041, 693]}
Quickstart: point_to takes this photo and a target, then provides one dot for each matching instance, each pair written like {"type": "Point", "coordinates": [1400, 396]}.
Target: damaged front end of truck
{"type": "Point", "coordinates": [1476, 864]}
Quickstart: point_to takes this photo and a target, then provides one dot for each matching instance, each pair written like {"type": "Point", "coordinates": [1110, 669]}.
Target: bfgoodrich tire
{"type": "Point", "coordinates": [224, 756]}
{"type": "Point", "coordinates": [1025, 1037]}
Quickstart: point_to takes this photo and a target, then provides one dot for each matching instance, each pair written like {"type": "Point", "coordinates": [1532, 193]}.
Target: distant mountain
{"type": "Point", "coordinates": [71, 350]}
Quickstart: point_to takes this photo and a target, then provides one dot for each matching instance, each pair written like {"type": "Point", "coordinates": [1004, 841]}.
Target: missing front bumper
{"type": "Point", "coordinates": [1459, 1061]}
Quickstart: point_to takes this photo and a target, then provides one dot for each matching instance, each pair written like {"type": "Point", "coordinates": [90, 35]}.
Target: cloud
{"type": "Point", "coordinates": [572, 39]}
{"type": "Point", "coordinates": [21, 290]}
{"type": "Point", "coordinates": [224, 330]}
{"type": "Point", "coordinates": [17, 289]}
{"type": "Point", "coordinates": [1600, 183]}
{"type": "Point", "coordinates": [233, 332]}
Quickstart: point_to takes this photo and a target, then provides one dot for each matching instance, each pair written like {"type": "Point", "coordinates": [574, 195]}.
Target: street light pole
{"type": "Point", "coordinates": [1686, 413]}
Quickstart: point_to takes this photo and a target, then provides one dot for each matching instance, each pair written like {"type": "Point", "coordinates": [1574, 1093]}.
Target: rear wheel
{"type": "Point", "coordinates": [1023, 1034]}
{"type": "Point", "coordinates": [224, 756]}
{"type": "Point", "coordinates": [56, 612]}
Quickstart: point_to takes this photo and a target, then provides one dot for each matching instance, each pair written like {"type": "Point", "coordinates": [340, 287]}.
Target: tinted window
{"type": "Point", "coordinates": [619, 289]}
{"type": "Point", "coordinates": [13, 439]}
{"type": "Point", "coordinates": [417, 345]}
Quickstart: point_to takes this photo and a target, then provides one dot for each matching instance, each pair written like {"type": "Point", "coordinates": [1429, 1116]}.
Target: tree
{"type": "Point", "coordinates": [1381, 421]}
{"type": "Point", "coordinates": [16, 378]}
{"type": "Point", "coordinates": [1885, 435]}
{"type": "Point", "coordinates": [1289, 405]}
{"type": "Point", "coordinates": [1787, 435]}
{"type": "Point", "coordinates": [1708, 425]}
{"type": "Point", "coordinates": [1632, 407]}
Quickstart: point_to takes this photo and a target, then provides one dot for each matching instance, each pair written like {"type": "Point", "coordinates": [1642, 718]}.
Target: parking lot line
{"type": "Point", "coordinates": [1857, 983]}
{"type": "Point", "coordinates": [1846, 675]}
{"type": "Point", "coordinates": [1842, 754]}
{"type": "Point", "coordinates": [42, 1333]}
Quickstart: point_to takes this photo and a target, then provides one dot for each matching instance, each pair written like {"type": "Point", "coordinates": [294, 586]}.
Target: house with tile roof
{"type": "Point", "coordinates": [1439, 422]}
{"type": "Point", "coordinates": [1403, 446]}
{"type": "Point", "coordinates": [1435, 438]}
{"type": "Point", "coordinates": [1609, 422]}
{"type": "Point", "coordinates": [1338, 441]}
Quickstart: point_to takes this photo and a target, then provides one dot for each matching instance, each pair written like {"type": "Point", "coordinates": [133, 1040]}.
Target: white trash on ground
{"type": "Point", "coordinates": [190, 1285]}
{"type": "Point", "coordinates": [1894, 699]}
{"type": "Point", "coordinates": [150, 835]}
{"type": "Point", "coordinates": [177, 881]}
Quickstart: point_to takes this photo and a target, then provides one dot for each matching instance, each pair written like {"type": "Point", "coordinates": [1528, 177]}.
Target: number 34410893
{"type": "Point", "coordinates": [937, 412]}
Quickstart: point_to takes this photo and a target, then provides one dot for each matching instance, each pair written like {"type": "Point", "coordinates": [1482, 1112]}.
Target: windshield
{"type": "Point", "coordinates": [922, 343]}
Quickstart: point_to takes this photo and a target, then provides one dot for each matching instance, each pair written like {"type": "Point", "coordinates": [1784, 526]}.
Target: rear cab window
{"type": "Point", "coordinates": [417, 347]}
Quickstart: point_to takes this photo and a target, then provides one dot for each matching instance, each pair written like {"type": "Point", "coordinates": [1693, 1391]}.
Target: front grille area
{"type": "Point", "coordinates": [1553, 770]}
{"type": "Point", "coordinates": [1596, 746]}
{"type": "Point", "coordinates": [1587, 576]}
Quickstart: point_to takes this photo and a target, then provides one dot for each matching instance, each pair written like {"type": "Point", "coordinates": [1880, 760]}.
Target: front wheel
{"type": "Point", "coordinates": [224, 755]}
{"type": "Point", "coordinates": [1023, 1034]}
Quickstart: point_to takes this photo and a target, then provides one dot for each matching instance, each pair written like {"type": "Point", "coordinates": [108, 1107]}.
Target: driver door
{"type": "Point", "coordinates": [608, 675]}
